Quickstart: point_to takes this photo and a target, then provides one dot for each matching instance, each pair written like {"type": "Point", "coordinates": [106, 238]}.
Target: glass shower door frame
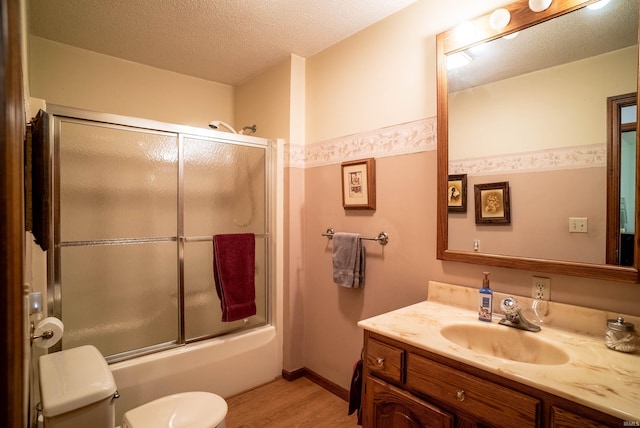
{"type": "Point", "coordinates": [61, 114]}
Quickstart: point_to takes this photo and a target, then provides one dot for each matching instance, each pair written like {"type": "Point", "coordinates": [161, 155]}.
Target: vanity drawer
{"type": "Point", "coordinates": [384, 360]}
{"type": "Point", "coordinates": [478, 398]}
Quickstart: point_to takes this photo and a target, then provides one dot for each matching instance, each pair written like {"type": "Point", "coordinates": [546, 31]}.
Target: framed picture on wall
{"type": "Point", "coordinates": [457, 193]}
{"type": "Point", "coordinates": [359, 184]}
{"type": "Point", "coordinates": [492, 203]}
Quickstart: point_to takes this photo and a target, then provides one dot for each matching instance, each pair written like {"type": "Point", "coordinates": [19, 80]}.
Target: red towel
{"type": "Point", "coordinates": [234, 272]}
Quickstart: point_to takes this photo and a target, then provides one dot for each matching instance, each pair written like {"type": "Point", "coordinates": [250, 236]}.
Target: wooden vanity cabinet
{"type": "Point", "coordinates": [405, 386]}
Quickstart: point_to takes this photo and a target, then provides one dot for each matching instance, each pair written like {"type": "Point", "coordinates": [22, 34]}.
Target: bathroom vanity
{"type": "Point", "coordinates": [434, 364]}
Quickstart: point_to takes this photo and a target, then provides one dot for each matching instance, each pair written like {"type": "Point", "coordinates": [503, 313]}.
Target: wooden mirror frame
{"type": "Point", "coordinates": [521, 18]}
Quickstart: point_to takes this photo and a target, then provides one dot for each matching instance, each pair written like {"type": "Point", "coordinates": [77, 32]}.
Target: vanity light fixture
{"type": "Point", "coordinates": [539, 5]}
{"type": "Point", "coordinates": [499, 19]}
{"type": "Point", "coordinates": [458, 59]}
{"type": "Point", "coordinates": [598, 5]}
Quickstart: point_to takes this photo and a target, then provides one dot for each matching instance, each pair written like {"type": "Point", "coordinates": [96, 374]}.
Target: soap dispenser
{"type": "Point", "coordinates": [486, 299]}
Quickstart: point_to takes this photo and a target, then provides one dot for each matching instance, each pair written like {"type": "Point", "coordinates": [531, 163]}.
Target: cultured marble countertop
{"type": "Point", "coordinates": [594, 376]}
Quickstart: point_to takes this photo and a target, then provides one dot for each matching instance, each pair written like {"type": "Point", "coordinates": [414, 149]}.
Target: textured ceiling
{"type": "Point", "coordinates": [226, 41]}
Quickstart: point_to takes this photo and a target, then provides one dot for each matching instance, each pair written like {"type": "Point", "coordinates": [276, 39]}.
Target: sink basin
{"type": "Point", "coordinates": [505, 342]}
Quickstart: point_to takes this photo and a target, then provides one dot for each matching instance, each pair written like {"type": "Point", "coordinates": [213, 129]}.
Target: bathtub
{"type": "Point", "coordinates": [225, 366]}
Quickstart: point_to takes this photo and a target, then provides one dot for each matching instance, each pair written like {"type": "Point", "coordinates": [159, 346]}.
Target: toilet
{"type": "Point", "coordinates": [77, 389]}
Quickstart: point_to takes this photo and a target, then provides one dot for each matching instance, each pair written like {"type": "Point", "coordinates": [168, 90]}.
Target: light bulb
{"type": "Point", "coordinates": [539, 5]}
{"type": "Point", "coordinates": [499, 19]}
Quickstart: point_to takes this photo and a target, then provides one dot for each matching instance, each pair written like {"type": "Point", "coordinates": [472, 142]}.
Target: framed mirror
{"type": "Point", "coordinates": [535, 107]}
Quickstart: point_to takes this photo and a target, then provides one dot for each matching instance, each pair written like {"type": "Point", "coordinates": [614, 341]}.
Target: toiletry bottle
{"type": "Point", "coordinates": [486, 299]}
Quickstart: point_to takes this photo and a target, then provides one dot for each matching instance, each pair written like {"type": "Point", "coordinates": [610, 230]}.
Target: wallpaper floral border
{"type": "Point", "coordinates": [406, 138]}
{"type": "Point", "coordinates": [587, 156]}
{"type": "Point", "coordinates": [421, 136]}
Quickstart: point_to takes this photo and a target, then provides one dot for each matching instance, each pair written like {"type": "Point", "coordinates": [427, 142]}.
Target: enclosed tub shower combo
{"type": "Point", "coordinates": [135, 205]}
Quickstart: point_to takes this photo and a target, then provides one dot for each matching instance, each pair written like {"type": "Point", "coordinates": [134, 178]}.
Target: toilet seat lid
{"type": "Point", "coordinates": [188, 409]}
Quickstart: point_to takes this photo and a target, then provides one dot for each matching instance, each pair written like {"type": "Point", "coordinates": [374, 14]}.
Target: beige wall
{"type": "Point", "coordinates": [575, 100]}
{"type": "Point", "coordinates": [264, 101]}
{"type": "Point", "coordinates": [65, 75]}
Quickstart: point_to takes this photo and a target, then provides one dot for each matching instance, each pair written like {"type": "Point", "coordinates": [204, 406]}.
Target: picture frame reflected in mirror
{"type": "Point", "coordinates": [457, 193]}
{"type": "Point", "coordinates": [492, 203]}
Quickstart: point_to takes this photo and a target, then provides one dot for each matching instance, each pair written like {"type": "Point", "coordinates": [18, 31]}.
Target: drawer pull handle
{"type": "Point", "coordinates": [460, 395]}
{"type": "Point", "coordinates": [379, 362]}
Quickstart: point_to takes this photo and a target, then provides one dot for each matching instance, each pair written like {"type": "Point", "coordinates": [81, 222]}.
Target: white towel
{"type": "Point", "coordinates": [348, 260]}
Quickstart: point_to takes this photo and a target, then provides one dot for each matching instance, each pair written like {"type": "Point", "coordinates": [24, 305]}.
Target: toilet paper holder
{"type": "Point", "coordinates": [47, 334]}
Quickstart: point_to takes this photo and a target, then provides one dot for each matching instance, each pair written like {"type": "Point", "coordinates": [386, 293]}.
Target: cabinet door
{"type": "Point", "coordinates": [390, 407]}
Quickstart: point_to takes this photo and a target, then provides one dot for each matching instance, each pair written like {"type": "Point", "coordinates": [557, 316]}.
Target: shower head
{"type": "Point", "coordinates": [252, 130]}
{"type": "Point", "coordinates": [216, 124]}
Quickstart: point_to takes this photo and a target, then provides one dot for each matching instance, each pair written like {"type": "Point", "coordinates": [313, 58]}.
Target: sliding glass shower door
{"type": "Point", "coordinates": [224, 192]}
{"type": "Point", "coordinates": [134, 214]}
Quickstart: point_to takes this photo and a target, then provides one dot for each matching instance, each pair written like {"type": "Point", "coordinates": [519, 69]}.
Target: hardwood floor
{"type": "Point", "coordinates": [297, 404]}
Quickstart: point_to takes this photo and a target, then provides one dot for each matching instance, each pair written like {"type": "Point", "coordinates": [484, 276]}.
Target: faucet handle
{"type": "Point", "coordinates": [509, 306]}
{"type": "Point", "coordinates": [513, 317]}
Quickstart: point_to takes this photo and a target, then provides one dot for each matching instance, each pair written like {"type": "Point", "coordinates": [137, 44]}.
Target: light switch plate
{"type": "Point", "coordinates": [578, 225]}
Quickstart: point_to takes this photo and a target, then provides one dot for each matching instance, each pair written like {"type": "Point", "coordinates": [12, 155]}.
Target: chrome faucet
{"type": "Point", "coordinates": [513, 316]}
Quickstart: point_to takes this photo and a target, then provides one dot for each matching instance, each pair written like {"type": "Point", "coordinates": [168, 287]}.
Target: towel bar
{"type": "Point", "coordinates": [210, 237]}
{"type": "Point", "coordinates": [382, 238]}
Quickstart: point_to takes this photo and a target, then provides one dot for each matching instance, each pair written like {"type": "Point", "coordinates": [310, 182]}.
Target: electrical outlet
{"type": "Point", "coordinates": [541, 288]}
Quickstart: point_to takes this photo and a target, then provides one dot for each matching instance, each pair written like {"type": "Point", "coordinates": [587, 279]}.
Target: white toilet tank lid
{"type": "Point", "coordinates": [74, 378]}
